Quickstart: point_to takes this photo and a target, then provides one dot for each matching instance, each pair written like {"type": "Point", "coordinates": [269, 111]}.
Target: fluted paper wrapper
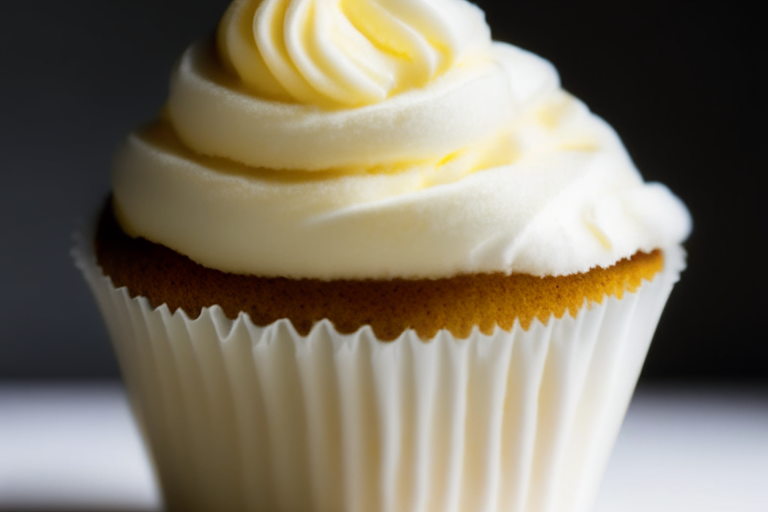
{"type": "Point", "coordinates": [246, 418]}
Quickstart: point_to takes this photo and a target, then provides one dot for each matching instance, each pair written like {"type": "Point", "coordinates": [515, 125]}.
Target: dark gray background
{"type": "Point", "coordinates": [679, 82]}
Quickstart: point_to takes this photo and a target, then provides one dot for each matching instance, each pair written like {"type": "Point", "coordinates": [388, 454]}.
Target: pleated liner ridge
{"type": "Point", "coordinates": [246, 418]}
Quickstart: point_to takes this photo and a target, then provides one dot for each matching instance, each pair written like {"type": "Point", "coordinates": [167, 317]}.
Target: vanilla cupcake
{"type": "Point", "coordinates": [369, 260]}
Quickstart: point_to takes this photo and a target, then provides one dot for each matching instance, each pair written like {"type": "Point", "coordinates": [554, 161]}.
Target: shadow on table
{"type": "Point", "coordinates": [80, 509]}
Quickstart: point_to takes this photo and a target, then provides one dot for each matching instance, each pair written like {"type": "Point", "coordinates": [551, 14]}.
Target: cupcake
{"type": "Point", "coordinates": [367, 259]}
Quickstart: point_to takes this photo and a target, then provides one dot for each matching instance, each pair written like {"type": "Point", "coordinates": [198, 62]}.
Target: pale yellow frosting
{"type": "Point", "coordinates": [215, 114]}
{"type": "Point", "coordinates": [348, 52]}
{"type": "Point", "coordinates": [375, 139]}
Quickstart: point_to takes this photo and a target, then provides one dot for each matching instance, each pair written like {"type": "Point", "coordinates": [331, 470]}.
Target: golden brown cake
{"type": "Point", "coordinates": [389, 306]}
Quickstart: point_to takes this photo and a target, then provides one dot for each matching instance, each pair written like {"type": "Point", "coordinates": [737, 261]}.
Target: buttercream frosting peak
{"type": "Point", "coordinates": [369, 139]}
{"type": "Point", "coordinates": [335, 53]}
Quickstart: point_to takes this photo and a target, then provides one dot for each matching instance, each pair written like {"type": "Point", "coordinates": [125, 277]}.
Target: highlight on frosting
{"type": "Point", "coordinates": [214, 116]}
{"type": "Point", "coordinates": [457, 155]}
{"type": "Point", "coordinates": [348, 52]}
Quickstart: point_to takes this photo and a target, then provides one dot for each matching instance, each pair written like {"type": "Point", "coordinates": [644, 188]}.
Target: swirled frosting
{"type": "Point", "coordinates": [348, 52]}
{"type": "Point", "coordinates": [382, 138]}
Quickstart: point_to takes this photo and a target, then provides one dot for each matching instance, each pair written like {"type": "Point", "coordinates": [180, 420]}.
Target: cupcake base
{"type": "Point", "coordinates": [389, 306]}
{"type": "Point", "coordinates": [246, 418]}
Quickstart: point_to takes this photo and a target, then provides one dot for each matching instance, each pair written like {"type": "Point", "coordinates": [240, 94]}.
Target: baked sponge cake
{"type": "Point", "coordinates": [390, 307]}
{"type": "Point", "coordinates": [367, 259]}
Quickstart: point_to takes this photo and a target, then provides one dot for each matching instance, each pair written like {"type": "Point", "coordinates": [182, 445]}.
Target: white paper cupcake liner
{"type": "Point", "coordinates": [246, 418]}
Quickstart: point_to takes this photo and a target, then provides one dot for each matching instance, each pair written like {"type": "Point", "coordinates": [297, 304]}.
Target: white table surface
{"type": "Point", "coordinates": [75, 447]}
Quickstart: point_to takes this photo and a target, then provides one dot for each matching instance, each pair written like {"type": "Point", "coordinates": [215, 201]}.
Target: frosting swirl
{"type": "Point", "coordinates": [215, 115]}
{"type": "Point", "coordinates": [456, 154]}
{"type": "Point", "coordinates": [348, 52]}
